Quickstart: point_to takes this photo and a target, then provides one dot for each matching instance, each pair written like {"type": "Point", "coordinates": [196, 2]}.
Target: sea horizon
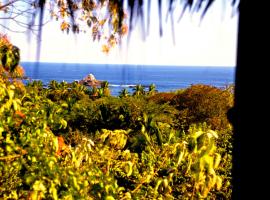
{"type": "Point", "coordinates": [120, 76]}
{"type": "Point", "coordinates": [127, 64]}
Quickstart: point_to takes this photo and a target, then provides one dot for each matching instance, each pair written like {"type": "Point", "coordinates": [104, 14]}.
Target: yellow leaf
{"type": "Point", "coordinates": [109, 198]}
{"type": "Point", "coordinates": [105, 49]}
{"type": "Point", "coordinates": [64, 26]}
{"type": "Point", "coordinates": [102, 22]}
{"type": "Point", "coordinates": [124, 29]}
{"type": "Point", "coordinates": [218, 183]}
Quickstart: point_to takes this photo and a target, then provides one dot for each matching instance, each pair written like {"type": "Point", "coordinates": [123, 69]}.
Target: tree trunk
{"type": "Point", "coordinates": [249, 115]}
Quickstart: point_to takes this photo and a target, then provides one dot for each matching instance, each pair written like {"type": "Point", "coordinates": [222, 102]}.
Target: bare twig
{"type": "Point", "coordinates": [9, 3]}
{"type": "Point", "coordinates": [7, 28]}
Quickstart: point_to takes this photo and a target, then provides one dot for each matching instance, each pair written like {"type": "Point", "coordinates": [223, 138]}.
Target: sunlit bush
{"type": "Point", "coordinates": [108, 165]}
{"type": "Point", "coordinates": [204, 103]}
{"type": "Point", "coordinates": [162, 97]}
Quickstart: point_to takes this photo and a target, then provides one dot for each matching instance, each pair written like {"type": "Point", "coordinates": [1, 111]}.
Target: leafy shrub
{"type": "Point", "coordinates": [162, 97]}
{"type": "Point", "coordinates": [204, 103]}
{"type": "Point", "coordinates": [100, 168]}
{"type": "Point", "coordinates": [9, 55]}
{"type": "Point", "coordinates": [116, 113]}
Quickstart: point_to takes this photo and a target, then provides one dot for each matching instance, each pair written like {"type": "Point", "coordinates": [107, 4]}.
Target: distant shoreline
{"type": "Point", "coordinates": [166, 78]}
{"type": "Point", "coordinates": [137, 65]}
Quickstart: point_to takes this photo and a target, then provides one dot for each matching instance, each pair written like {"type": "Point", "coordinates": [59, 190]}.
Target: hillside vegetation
{"type": "Point", "coordinates": [67, 141]}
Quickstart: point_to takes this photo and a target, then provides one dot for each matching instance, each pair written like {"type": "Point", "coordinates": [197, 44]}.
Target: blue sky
{"type": "Point", "coordinates": [209, 43]}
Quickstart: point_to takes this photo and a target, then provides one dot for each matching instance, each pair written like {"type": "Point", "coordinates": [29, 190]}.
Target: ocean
{"type": "Point", "coordinates": [166, 78]}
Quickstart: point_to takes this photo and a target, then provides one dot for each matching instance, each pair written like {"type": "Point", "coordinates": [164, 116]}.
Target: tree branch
{"type": "Point", "coordinates": [7, 28]}
{"type": "Point", "coordinates": [9, 3]}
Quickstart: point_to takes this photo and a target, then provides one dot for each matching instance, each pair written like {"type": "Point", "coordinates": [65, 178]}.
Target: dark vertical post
{"type": "Point", "coordinates": [249, 116]}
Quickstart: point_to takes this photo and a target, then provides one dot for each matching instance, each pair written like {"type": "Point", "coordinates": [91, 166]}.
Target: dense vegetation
{"type": "Point", "coordinates": [71, 142]}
